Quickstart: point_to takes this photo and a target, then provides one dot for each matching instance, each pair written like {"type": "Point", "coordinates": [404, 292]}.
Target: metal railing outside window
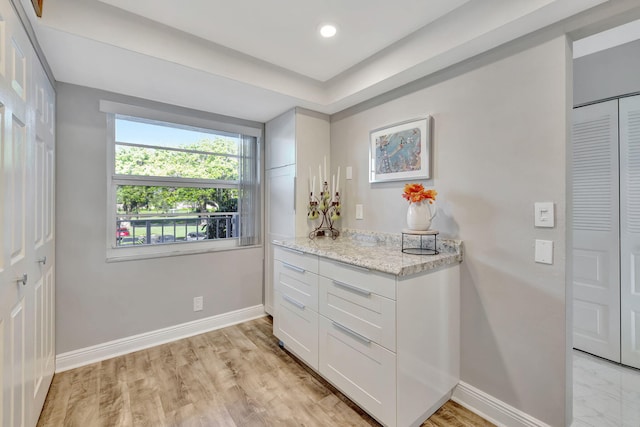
{"type": "Point", "coordinates": [155, 229]}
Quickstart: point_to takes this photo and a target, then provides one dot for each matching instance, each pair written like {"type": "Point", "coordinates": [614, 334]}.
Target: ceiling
{"type": "Point", "coordinates": [285, 32]}
{"type": "Point", "coordinates": [616, 36]}
{"type": "Point", "coordinates": [255, 59]}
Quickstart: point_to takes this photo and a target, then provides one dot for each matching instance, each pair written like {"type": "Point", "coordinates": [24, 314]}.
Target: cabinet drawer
{"type": "Point", "coordinates": [364, 371]}
{"type": "Point", "coordinates": [297, 327]}
{"type": "Point", "coordinates": [364, 312]}
{"type": "Point", "coordinates": [372, 281]}
{"type": "Point", "coordinates": [301, 260]}
{"type": "Point", "coordinates": [299, 285]}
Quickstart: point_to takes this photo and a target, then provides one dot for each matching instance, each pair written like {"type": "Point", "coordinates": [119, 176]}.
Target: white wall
{"type": "Point", "coordinates": [500, 132]}
{"type": "Point", "coordinates": [608, 73]}
{"type": "Point", "coordinates": [99, 301]}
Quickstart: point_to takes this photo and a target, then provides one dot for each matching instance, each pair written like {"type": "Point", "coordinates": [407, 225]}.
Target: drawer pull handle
{"type": "Point", "coordinates": [294, 302]}
{"type": "Point", "coordinates": [353, 288]}
{"type": "Point", "coordinates": [350, 332]}
{"type": "Point", "coordinates": [293, 267]}
{"type": "Point", "coordinates": [295, 251]}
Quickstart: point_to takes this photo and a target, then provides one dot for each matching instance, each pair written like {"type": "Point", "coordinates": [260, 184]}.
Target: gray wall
{"type": "Point", "coordinates": [609, 73]}
{"type": "Point", "coordinates": [98, 301]}
{"type": "Point", "coordinates": [500, 132]}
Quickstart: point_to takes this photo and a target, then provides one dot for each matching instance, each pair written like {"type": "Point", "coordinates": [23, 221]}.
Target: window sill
{"type": "Point", "coordinates": [164, 251]}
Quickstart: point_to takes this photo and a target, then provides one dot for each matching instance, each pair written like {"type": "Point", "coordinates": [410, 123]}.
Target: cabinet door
{"type": "Point", "coordinates": [280, 219]}
{"type": "Point", "coordinates": [363, 370]}
{"type": "Point", "coordinates": [280, 202]}
{"type": "Point", "coordinates": [296, 325]}
{"type": "Point", "coordinates": [280, 140]}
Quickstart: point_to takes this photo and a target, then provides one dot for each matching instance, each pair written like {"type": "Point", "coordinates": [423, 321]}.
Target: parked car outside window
{"type": "Point", "coordinates": [122, 232]}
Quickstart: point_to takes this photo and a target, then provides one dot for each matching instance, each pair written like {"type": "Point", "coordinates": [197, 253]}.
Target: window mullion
{"type": "Point", "coordinates": [180, 150]}
{"type": "Point", "coordinates": [172, 181]}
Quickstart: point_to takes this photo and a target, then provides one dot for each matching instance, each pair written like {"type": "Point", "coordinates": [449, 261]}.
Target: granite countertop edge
{"type": "Point", "coordinates": [376, 251]}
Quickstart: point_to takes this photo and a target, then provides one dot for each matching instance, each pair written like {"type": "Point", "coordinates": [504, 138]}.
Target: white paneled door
{"type": "Point", "coordinates": [630, 229]}
{"type": "Point", "coordinates": [596, 259]}
{"type": "Point", "coordinates": [606, 230]}
{"type": "Point", "coordinates": [27, 231]}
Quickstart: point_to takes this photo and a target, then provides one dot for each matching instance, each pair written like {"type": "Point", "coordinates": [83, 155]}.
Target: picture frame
{"type": "Point", "coordinates": [37, 7]}
{"type": "Point", "coordinates": [401, 151]}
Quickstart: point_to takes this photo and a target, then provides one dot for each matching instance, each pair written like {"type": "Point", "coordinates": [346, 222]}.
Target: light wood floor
{"type": "Point", "coordinates": [237, 376]}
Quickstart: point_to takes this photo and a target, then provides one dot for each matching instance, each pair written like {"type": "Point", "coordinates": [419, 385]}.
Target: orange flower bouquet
{"type": "Point", "coordinates": [415, 193]}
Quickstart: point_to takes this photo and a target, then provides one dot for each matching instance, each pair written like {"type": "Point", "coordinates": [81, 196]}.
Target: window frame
{"type": "Point", "coordinates": [119, 253]}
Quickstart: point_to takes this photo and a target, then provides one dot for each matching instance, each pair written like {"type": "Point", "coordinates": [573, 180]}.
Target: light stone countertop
{"type": "Point", "coordinates": [378, 251]}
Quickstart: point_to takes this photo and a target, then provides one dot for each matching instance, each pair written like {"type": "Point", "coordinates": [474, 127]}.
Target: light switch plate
{"type": "Point", "coordinates": [544, 251]}
{"type": "Point", "coordinates": [359, 212]}
{"type": "Point", "coordinates": [349, 172]}
{"type": "Point", "coordinates": [544, 214]}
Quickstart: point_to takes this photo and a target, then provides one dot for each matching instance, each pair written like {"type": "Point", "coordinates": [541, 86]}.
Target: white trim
{"type": "Point", "coordinates": [96, 353]}
{"type": "Point", "coordinates": [158, 114]}
{"type": "Point", "coordinates": [139, 252]}
{"type": "Point", "coordinates": [492, 409]}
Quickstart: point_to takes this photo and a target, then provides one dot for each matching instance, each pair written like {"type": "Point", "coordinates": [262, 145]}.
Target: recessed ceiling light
{"type": "Point", "coordinates": [328, 30]}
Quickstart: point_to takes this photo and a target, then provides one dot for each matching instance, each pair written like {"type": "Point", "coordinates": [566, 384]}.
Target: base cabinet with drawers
{"type": "Point", "coordinates": [390, 343]}
{"type": "Point", "coordinates": [295, 319]}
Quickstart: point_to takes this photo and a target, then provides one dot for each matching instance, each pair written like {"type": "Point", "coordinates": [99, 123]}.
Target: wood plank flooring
{"type": "Point", "coordinates": [236, 376]}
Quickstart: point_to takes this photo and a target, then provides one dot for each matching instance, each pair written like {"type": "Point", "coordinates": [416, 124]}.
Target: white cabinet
{"type": "Point", "coordinates": [280, 137]}
{"type": "Point", "coordinates": [279, 207]}
{"type": "Point", "coordinates": [360, 368]}
{"type": "Point", "coordinates": [390, 343]}
{"type": "Point", "coordinates": [294, 142]}
{"type": "Point", "coordinates": [358, 336]}
{"type": "Point", "coordinates": [295, 320]}
{"type": "Point", "coordinates": [428, 342]}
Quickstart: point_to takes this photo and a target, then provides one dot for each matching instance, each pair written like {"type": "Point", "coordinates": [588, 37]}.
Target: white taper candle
{"type": "Point", "coordinates": [325, 169]}
{"type": "Point", "coordinates": [338, 181]}
{"type": "Point", "coordinates": [333, 185]}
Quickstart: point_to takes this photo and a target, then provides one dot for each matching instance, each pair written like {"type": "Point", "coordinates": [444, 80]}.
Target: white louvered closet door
{"type": "Point", "coordinates": [630, 229]}
{"type": "Point", "coordinates": [596, 258]}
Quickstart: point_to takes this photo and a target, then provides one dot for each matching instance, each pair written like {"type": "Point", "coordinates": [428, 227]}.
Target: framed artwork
{"type": "Point", "coordinates": [401, 151]}
{"type": "Point", "coordinates": [37, 6]}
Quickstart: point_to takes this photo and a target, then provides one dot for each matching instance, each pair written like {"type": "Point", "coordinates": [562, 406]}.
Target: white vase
{"type": "Point", "coordinates": [419, 215]}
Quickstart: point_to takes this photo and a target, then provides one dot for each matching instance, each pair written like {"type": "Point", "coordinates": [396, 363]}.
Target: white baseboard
{"type": "Point", "coordinates": [96, 353]}
{"type": "Point", "coordinates": [492, 409]}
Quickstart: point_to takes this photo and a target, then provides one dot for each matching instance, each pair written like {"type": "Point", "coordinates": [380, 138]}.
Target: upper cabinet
{"type": "Point", "coordinates": [280, 147]}
{"type": "Point", "coordinates": [298, 137]}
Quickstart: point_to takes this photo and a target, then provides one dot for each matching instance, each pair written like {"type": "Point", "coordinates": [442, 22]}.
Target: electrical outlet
{"type": "Point", "coordinates": [198, 303]}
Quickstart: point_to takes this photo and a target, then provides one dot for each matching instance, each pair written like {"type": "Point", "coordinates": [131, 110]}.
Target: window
{"type": "Point", "coordinates": [180, 188]}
